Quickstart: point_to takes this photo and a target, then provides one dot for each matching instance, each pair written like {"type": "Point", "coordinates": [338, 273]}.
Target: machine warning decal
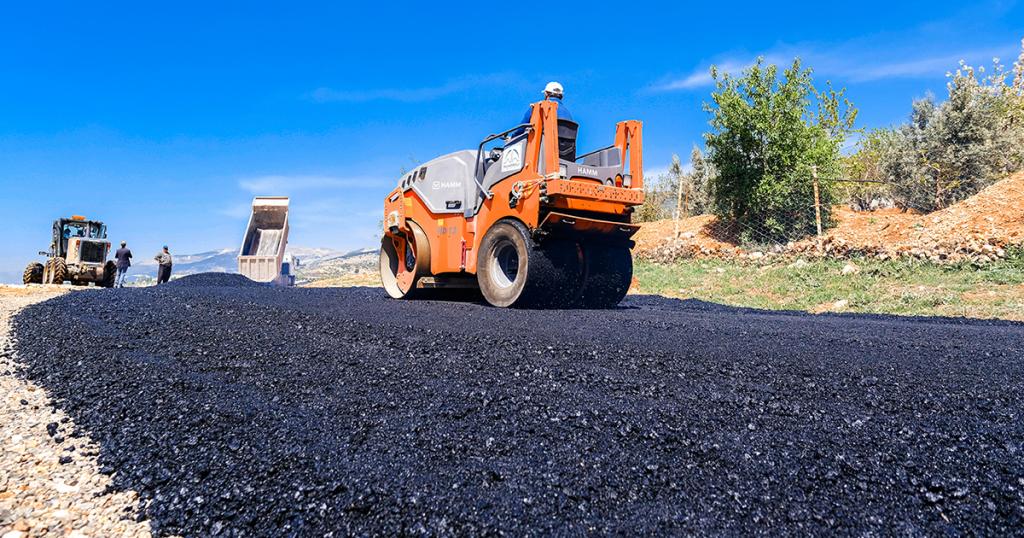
{"type": "Point", "coordinates": [512, 158]}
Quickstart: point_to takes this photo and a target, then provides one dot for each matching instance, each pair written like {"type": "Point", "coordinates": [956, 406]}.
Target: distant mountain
{"type": "Point", "coordinates": [214, 261]}
{"type": "Point", "coordinates": [339, 264]}
{"type": "Point", "coordinates": [314, 263]}
{"type": "Point", "coordinates": [10, 276]}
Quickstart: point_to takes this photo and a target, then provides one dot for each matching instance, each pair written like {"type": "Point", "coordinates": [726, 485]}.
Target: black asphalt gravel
{"type": "Point", "coordinates": [244, 410]}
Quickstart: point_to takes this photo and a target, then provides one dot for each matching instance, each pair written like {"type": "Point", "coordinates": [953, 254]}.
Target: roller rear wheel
{"type": "Point", "coordinates": [609, 273]}
{"type": "Point", "coordinates": [403, 260]}
{"type": "Point", "coordinates": [513, 270]}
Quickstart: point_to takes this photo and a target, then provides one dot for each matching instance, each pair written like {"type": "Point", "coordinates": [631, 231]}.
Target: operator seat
{"type": "Point", "coordinates": [567, 130]}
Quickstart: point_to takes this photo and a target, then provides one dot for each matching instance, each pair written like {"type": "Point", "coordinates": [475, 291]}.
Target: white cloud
{"type": "Point", "coordinates": [236, 211]}
{"type": "Point", "coordinates": [655, 172]}
{"type": "Point", "coordinates": [930, 49]}
{"type": "Point", "coordinates": [412, 95]}
{"type": "Point", "coordinates": [701, 77]}
{"type": "Point", "coordinates": [932, 65]}
{"type": "Point", "coordinates": [286, 184]}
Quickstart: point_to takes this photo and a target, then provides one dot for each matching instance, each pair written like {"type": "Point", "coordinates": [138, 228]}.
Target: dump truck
{"type": "Point", "coordinates": [527, 221]}
{"type": "Point", "coordinates": [262, 255]}
{"type": "Point", "coordinates": [78, 253]}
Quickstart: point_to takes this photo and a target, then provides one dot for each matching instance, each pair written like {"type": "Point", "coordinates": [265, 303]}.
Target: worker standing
{"type": "Point", "coordinates": [124, 261]}
{"type": "Point", "coordinates": [164, 261]}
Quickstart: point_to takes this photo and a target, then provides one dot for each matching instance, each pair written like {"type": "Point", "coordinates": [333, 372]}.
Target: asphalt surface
{"type": "Point", "coordinates": [236, 409]}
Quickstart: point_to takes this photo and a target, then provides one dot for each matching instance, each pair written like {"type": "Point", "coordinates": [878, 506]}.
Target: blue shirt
{"type": "Point", "coordinates": [563, 114]}
{"type": "Point", "coordinates": [563, 111]}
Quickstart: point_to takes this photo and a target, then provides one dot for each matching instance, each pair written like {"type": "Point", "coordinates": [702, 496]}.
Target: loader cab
{"type": "Point", "coordinates": [65, 229]}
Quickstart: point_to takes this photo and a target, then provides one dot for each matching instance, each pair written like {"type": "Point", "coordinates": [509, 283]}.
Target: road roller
{"type": "Point", "coordinates": [522, 218]}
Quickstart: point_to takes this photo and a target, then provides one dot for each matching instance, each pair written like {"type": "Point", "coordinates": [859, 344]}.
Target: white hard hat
{"type": "Point", "coordinates": [554, 88]}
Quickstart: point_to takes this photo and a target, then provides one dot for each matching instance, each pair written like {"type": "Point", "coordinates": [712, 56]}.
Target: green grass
{"type": "Point", "coordinates": [903, 287]}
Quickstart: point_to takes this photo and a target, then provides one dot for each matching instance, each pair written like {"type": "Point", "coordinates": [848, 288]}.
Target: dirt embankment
{"type": "Point", "coordinates": [978, 230]}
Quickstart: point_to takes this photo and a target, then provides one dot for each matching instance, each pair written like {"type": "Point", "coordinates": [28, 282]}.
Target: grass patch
{"type": "Point", "coordinates": [903, 287]}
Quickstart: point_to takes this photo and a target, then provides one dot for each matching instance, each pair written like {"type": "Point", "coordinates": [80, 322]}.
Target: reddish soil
{"type": "Point", "coordinates": [978, 229]}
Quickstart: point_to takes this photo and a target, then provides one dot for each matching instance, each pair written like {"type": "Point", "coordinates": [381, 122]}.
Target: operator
{"type": "Point", "coordinates": [552, 92]}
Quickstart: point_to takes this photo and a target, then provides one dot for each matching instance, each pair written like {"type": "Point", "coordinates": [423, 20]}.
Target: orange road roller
{"type": "Point", "coordinates": [522, 218]}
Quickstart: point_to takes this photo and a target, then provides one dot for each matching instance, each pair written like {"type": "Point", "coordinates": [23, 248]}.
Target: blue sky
{"type": "Point", "coordinates": [165, 120]}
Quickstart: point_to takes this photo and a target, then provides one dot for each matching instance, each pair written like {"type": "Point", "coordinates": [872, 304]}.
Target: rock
{"type": "Point", "coordinates": [14, 534]}
{"type": "Point", "coordinates": [799, 264]}
{"type": "Point", "coordinates": [841, 304]}
{"type": "Point", "coordinates": [61, 487]}
{"type": "Point", "coordinates": [756, 255]}
{"type": "Point", "coordinates": [850, 269]}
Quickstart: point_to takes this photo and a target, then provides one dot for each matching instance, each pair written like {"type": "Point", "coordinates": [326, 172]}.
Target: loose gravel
{"type": "Point", "coordinates": [50, 484]}
{"type": "Point", "coordinates": [243, 410]}
{"type": "Point", "coordinates": [213, 280]}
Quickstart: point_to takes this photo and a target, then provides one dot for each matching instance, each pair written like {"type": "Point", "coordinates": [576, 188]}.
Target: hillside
{"type": "Point", "coordinates": [314, 263]}
{"type": "Point", "coordinates": [978, 229]}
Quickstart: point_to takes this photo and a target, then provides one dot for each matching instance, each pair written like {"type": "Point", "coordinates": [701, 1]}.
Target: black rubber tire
{"type": "Point", "coordinates": [109, 275]}
{"type": "Point", "coordinates": [58, 271]}
{"type": "Point", "coordinates": [609, 273]}
{"type": "Point", "coordinates": [33, 274]}
{"type": "Point", "coordinates": [514, 271]}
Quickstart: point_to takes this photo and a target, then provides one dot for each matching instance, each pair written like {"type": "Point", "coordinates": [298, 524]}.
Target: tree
{"type": "Point", "coordinates": [947, 152]}
{"type": "Point", "coordinates": [766, 138]}
{"type": "Point", "coordinates": [692, 196]}
{"type": "Point", "coordinates": [866, 165]}
{"type": "Point", "coordinates": [659, 196]}
{"type": "Point", "coordinates": [1018, 70]}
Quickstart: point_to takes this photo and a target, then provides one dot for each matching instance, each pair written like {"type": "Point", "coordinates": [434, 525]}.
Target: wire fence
{"type": "Point", "coordinates": [858, 217]}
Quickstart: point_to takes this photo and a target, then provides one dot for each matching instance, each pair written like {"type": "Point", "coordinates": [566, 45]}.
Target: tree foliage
{"type": "Point", "coordinates": [678, 193]}
{"type": "Point", "coordinates": [767, 135]}
{"type": "Point", "coordinates": [949, 151]}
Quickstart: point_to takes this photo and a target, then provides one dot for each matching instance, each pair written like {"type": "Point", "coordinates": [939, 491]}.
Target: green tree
{"type": "Point", "coordinates": [866, 165]}
{"type": "Point", "coordinates": [767, 135]}
{"type": "Point", "coordinates": [659, 197]}
{"type": "Point", "coordinates": [693, 195]}
{"type": "Point", "coordinates": [947, 152]}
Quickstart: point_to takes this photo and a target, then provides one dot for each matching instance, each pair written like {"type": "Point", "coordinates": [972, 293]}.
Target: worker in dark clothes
{"type": "Point", "coordinates": [164, 262]}
{"type": "Point", "coordinates": [124, 261]}
{"type": "Point", "coordinates": [552, 92]}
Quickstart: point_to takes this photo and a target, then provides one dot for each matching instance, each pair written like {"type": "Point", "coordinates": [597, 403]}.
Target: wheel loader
{"type": "Point", "coordinates": [527, 221]}
{"type": "Point", "coordinates": [78, 253]}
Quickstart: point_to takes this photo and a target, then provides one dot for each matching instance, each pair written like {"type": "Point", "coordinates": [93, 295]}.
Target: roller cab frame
{"type": "Point", "coordinates": [528, 222]}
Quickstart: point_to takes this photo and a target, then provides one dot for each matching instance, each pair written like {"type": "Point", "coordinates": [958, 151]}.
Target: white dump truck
{"type": "Point", "coordinates": [262, 256]}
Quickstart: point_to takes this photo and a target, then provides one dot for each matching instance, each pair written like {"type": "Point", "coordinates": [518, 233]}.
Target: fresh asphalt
{"type": "Point", "coordinates": [239, 410]}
